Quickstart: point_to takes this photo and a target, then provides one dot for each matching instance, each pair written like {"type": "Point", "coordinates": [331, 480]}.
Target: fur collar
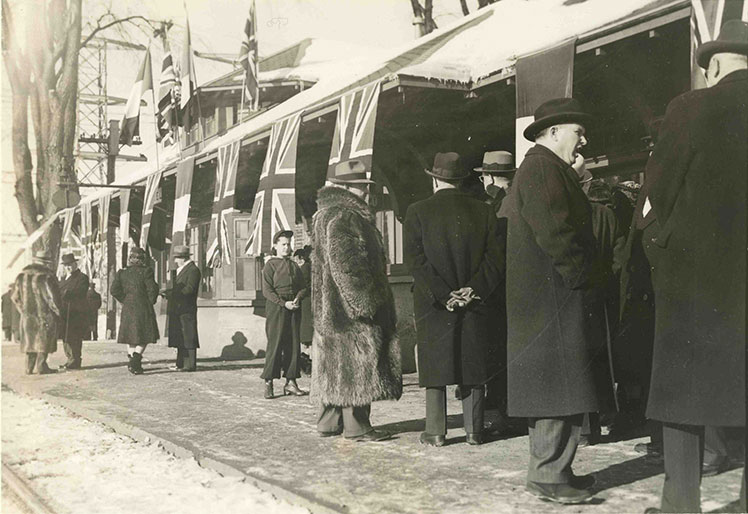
{"type": "Point", "coordinates": [37, 269]}
{"type": "Point", "coordinates": [333, 197]}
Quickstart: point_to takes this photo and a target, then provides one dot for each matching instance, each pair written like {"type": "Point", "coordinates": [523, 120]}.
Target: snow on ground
{"type": "Point", "coordinates": [82, 467]}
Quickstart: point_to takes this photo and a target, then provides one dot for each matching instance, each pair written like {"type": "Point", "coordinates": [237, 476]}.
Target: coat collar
{"type": "Point", "coordinates": [337, 197]}
{"type": "Point", "coordinates": [542, 151]}
{"type": "Point", "coordinates": [734, 77]}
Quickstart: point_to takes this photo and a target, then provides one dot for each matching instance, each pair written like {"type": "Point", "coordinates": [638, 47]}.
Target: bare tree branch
{"type": "Point", "coordinates": [99, 28]}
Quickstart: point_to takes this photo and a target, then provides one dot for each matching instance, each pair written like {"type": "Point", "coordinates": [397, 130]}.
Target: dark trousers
{"type": "Point", "coordinates": [715, 445]}
{"type": "Point", "coordinates": [353, 421]}
{"type": "Point", "coordinates": [283, 329]}
{"type": "Point", "coordinates": [187, 358]}
{"type": "Point", "coordinates": [35, 360]}
{"type": "Point", "coordinates": [553, 445]}
{"type": "Point", "coordinates": [473, 406]}
{"type": "Point", "coordinates": [73, 349]}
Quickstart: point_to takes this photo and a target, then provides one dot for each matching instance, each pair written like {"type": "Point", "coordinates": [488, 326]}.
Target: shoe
{"type": "Point", "coordinates": [587, 440]}
{"type": "Point", "coordinates": [293, 389]}
{"type": "Point", "coordinates": [474, 439]}
{"type": "Point", "coordinates": [129, 364]}
{"type": "Point", "coordinates": [46, 370]}
{"type": "Point", "coordinates": [373, 436]}
{"type": "Point", "coordinates": [582, 481]}
{"type": "Point", "coordinates": [559, 493]}
{"type": "Point", "coordinates": [68, 367]}
{"type": "Point", "coordinates": [711, 469]}
{"type": "Point", "coordinates": [268, 389]}
{"type": "Point", "coordinates": [651, 510]}
{"type": "Point", "coordinates": [136, 368]}
{"type": "Point", "coordinates": [432, 440]}
{"type": "Point", "coordinates": [331, 434]}
{"type": "Point", "coordinates": [649, 449]}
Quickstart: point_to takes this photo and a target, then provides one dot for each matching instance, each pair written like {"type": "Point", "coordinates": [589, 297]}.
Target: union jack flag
{"type": "Point", "coordinates": [248, 57]}
{"type": "Point", "coordinates": [223, 204]}
{"type": "Point", "coordinates": [166, 117]}
{"type": "Point", "coordinates": [274, 208]}
{"type": "Point", "coordinates": [354, 130]}
{"type": "Point", "coordinates": [707, 18]}
{"type": "Point", "coordinates": [151, 189]}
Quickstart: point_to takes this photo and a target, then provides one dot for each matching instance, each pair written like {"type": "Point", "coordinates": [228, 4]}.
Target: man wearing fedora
{"type": "Point", "coordinates": [556, 350]}
{"type": "Point", "coordinates": [695, 187]}
{"type": "Point", "coordinates": [75, 315]}
{"type": "Point", "coordinates": [355, 350]}
{"type": "Point", "coordinates": [182, 309]}
{"type": "Point", "coordinates": [496, 174]}
{"type": "Point", "coordinates": [37, 295]}
{"type": "Point", "coordinates": [453, 251]}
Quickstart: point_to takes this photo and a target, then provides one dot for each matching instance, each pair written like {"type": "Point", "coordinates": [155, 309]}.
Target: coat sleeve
{"type": "Point", "coordinates": [190, 286]}
{"type": "Point", "coordinates": [51, 294]}
{"type": "Point", "coordinates": [667, 166]}
{"type": "Point", "coordinates": [117, 291]}
{"type": "Point", "coordinates": [300, 283]}
{"type": "Point", "coordinates": [546, 210]}
{"type": "Point", "coordinates": [415, 258]}
{"type": "Point", "coordinates": [349, 266]}
{"type": "Point", "coordinates": [151, 287]}
{"type": "Point", "coordinates": [490, 274]}
{"type": "Point", "coordinates": [268, 289]}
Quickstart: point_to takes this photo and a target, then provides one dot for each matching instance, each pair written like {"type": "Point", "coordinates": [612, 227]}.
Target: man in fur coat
{"type": "Point", "coordinates": [356, 352]}
{"type": "Point", "coordinates": [75, 316]}
{"type": "Point", "coordinates": [37, 296]}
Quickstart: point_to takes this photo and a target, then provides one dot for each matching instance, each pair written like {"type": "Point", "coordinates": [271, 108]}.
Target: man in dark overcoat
{"type": "Point", "coordinates": [36, 294]}
{"type": "Point", "coordinates": [94, 304]}
{"type": "Point", "coordinates": [556, 347]}
{"type": "Point", "coordinates": [695, 183]}
{"type": "Point", "coordinates": [75, 316]}
{"type": "Point", "coordinates": [450, 243]}
{"type": "Point", "coordinates": [355, 350]}
{"type": "Point", "coordinates": [182, 309]}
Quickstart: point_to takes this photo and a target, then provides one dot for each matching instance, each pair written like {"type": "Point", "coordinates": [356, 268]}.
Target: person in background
{"type": "Point", "coordinates": [7, 315]}
{"type": "Point", "coordinates": [695, 186]}
{"type": "Point", "coordinates": [137, 291]}
{"type": "Point", "coordinates": [452, 249]}
{"type": "Point", "coordinates": [302, 257]}
{"type": "Point", "coordinates": [94, 303]}
{"type": "Point", "coordinates": [355, 351]}
{"type": "Point", "coordinates": [181, 295]}
{"type": "Point", "coordinates": [284, 287]}
{"type": "Point", "coordinates": [75, 314]}
{"type": "Point", "coordinates": [37, 296]}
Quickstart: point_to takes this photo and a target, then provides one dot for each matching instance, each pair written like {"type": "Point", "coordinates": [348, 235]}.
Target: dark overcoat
{"type": "Point", "coordinates": [450, 242]}
{"type": "Point", "coordinates": [182, 308]}
{"type": "Point", "coordinates": [696, 183]}
{"type": "Point", "coordinates": [36, 294]}
{"type": "Point", "coordinates": [137, 291]}
{"type": "Point", "coordinates": [75, 312]}
{"type": "Point", "coordinates": [355, 350]}
{"type": "Point", "coordinates": [556, 344]}
{"type": "Point", "coordinates": [307, 325]}
{"type": "Point", "coordinates": [94, 304]}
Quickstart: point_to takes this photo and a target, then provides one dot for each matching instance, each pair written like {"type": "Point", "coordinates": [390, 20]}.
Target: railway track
{"type": "Point", "coordinates": [24, 493]}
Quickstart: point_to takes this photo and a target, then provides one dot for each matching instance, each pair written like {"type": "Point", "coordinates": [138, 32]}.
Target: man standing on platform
{"type": "Point", "coordinates": [37, 296]}
{"type": "Point", "coordinates": [695, 186]}
{"type": "Point", "coordinates": [75, 316]}
{"type": "Point", "coordinates": [94, 303]}
{"type": "Point", "coordinates": [453, 251]}
{"type": "Point", "coordinates": [556, 350]}
{"type": "Point", "coordinates": [356, 353]}
{"type": "Point", "coordinates": [182, 309]}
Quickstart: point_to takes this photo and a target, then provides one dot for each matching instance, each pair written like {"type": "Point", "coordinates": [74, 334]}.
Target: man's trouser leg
{"type": "Point", "coordinates": [473, 407]}
{"type": "Point", "coordinates": [353, 421]}
{"type": "Point", "coordinates": [30, 362]}
{"type": "Point", "coordinates": [684, 453]}
{"type": "Point", "coordinates": [41, 362]}
{"type": "Point", "coordinates": [190, 359]}
{"type": "Point", "coordinates": [73, 350]}
{"type": "Point", "coordinates": [181, 352]}
{"type": "Point", "coordinates": [715, 445]}
{"type": "Point", "coordinates": [292, 349]}
{"type": "Point", "coordinates": [553, 445]}
{"type": "Point", "coordinates": [436, 410]}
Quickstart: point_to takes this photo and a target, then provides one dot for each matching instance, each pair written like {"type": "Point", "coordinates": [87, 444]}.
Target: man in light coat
{"type": "Point", "coordinates": [356, 353]}
{"type": "Point", "coordinates": [556, 348]}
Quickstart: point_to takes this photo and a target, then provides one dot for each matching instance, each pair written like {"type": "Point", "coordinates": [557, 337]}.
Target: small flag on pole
{"type": "Point", "coordinates": [248, 58]}
{"type": "Point", "coordinates": [130, 126]}
{"type": "Point", "coordinates": [167, 111]}
{"type": "Point", "coordinates": [188, 82]}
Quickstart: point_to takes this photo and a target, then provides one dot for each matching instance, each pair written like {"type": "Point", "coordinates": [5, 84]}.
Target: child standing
{"type": "Point", "coordinates": [284, 287]}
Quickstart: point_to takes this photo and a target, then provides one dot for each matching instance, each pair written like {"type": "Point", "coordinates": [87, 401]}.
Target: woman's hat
{"type": "Point", "coordinates": [497, 162]}
{"type": "Point", "coordinates": [181, 251]}
{"type": "Point", "coordinates": [349, 172]}
{"type": "Point", "coordinates": [282, 233]}
{"type": "Point", "coordinates": [733, 38]}
{"type": "Point", "coordinates": [555, 112]}
{"type": "Point", "coordinates": [69, 258]}
{"type": "Point", "coordinates": [448, 166]}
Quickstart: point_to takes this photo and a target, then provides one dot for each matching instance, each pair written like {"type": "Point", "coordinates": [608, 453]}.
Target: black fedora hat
{"type": "Point", "coordinates": [555, 112]}
{"type": "Point", "coordinates": [448, 166]}
{"type": "Point", "coordinates": [733, 38]}
{"type": "Point", "coordinates": [69, 258]}
{"type": "Point", "coordinates": [497, 162]}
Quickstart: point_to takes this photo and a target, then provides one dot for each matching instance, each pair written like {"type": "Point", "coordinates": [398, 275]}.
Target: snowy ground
{"type": "Point", "coordinates": [81, 467]}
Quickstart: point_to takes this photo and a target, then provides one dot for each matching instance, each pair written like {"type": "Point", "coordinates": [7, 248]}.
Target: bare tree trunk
{"type": "Point", "coordinates": [465, 10]}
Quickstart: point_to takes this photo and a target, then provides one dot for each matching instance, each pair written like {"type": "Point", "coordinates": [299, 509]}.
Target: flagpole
{"type": "Point", "coordinates": [244, 89]}
{"type": "Point", "coordinates": [155, 112]}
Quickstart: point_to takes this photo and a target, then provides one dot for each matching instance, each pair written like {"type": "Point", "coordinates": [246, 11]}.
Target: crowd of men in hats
{"type": "Point", "coordinates": [511, 291]}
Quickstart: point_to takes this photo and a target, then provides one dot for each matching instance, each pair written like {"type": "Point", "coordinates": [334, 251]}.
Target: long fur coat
{"type": "Point", "coordinates": [356, 353]}
{"type": "Point", "coordinates": [37, 296]}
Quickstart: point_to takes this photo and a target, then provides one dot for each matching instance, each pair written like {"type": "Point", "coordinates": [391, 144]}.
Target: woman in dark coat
{"type": "Point", "coordinates": [136, 290]}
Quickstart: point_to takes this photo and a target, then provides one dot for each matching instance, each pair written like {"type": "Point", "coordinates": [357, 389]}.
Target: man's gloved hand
{"type": "Point", "coordinates": [461, 298]}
